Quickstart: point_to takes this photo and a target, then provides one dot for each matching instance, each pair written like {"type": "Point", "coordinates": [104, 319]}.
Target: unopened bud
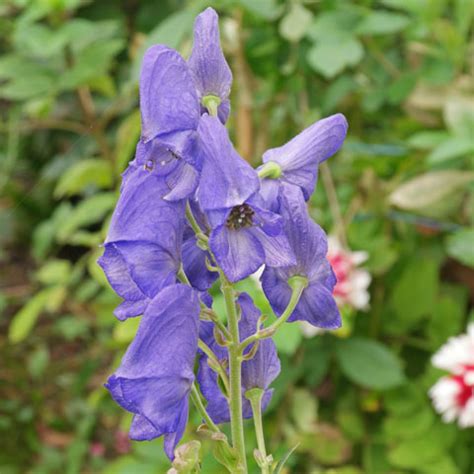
{"type": "Point", "coordinates": [186, 458]}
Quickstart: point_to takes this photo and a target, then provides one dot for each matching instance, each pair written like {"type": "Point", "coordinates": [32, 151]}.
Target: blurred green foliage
{"type": "Point", "coordinates": [354, 402]}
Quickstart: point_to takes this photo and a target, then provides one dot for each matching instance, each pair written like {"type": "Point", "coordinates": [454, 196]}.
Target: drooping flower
{"type": "Point", "coordinates": [258, 372]}
{"type": "Point", "coordinates": [244, 234]}
{"type": "Point", "coordinates": [309, 244]}
{"type": "Point", "coordinates": [297, 161]}
{"type": "Point", "coordinates": [352, 281]}
{"type": "Point", "coordinates": [172, 97]}
{"type": "Point", "coordinates": [211, 73]}
{"type": "Point", "coordinates": [143, 245]}
{"type": "Point", "coordinates": [156, 373]}
{"type": "Point", "coordinates": [453, 394]}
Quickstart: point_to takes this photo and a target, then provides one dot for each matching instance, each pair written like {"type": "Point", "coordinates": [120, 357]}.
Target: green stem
{"type": "Point", "coordinates": [254, 396]}
{"type": "Point", "coordinates": [235, 376]}
{"type": "Point", "coordinates": [297, 284]}
{"type": "Point", "coordinates": [196, 398]}
{"type": "Point", "coordinates": [219, 369]}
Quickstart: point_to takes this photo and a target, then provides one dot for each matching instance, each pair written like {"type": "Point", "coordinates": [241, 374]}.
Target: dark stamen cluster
{"type": "Point", "coordinates": [240, 217]}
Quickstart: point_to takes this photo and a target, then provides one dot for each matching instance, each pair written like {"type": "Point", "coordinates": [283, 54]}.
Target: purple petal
{"type": "Point", "coordinates": [168, 100]}
{"type": "Point", "coordinates": [182, 181]}
{"type": "Point", "coordinates": [278, 252]}
{"type": "Point", "coordinates": [194, 265]}
{"type": "Point", "coordinates": [207, 63]}
{"type": "Point", "coordinates": [300, 157]}
{"type": "Point", "coordinates": [238, 252]}
{"type": "Point", "coordinates": [130, 309]}
{"type": "Point", "coordinates": [226, 179]}
{"type": "Point", "coordinates": [156, 373]}
{"type": "Point", "coordinates": [142, 213]}
{"type": "Point", "coordinates": [172, 439]}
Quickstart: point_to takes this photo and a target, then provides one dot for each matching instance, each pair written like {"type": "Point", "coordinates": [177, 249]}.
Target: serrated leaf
{"type": "Point", "coordinates": [369, 363]}
{"type": "Point", "coordinates": [295, 23]}
{"type": "Point", "coordinates": [429, 188]}
{"type": "Point", "coordinates": [91, 172]}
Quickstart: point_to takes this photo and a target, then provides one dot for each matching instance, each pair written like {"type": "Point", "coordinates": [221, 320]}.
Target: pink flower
{"type": "Point", "coordinates": [453, 394]}
{"type": "Point", "coordinates": [352, 281]}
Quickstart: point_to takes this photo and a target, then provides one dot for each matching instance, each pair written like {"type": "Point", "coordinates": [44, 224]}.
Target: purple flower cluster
{"type": "Point", "coordinates": [248, 218]}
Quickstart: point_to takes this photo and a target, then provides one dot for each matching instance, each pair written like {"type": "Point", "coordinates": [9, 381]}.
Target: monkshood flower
{"type": "Point", "coordinates": [194, 257]}
{"type": "Point", "coordinates": [258, 372]}
{"type": "Point", "coordinates": [211, 73]}
{"type": "Point", "coordinates": [173, 94]}
{"type": "Point", "coordinates": [453, 394]}
{"type": "Point", "coordinates": [244, 234]}
{"type": "Point", "coordinates": [308, 241]}
{"type": "Point", "coordinates": [297, 161]}
{"type": "Point", "coordinates": [143, 245]}
{"type": "Point", "coordinates": [156, 373]}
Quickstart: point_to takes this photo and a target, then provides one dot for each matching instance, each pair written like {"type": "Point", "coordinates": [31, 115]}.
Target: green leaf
{"type": "Point", "coordinates": [54, 272]}
{"type": "Point", "coordinates": [124, 331]}
{"type": "Point", "coordinates": [81, 175]}
{"type": "Point", "coordinates": [458, 114]}
{"type": "Point", "coordinates": [288, 338]}
{"type": "Point", "coordinates": [284, 459]}
{"type": "Point", "coordinates": [329, 58]}
{"type": "Point", "coordinates": [369, 363]}
{"type": "Point", "coordinates": [268, 9]}
{"type": "Point", "coordinates": [414, 293]}
{"type": "Point", "coordinates": [90, 63]}
{"type": "Point", "coordinates": [382, 23]}
{"type": "Point", "coordinates": [304, 409]}
{"type": "Point", "coordinates": [429, 189]}
{"type": "Point", "coordinates": [460, 246]}
{"type": "Point", "coordinates": [451, 148]}
{"type": "Point", "coordinates": [22, 322]}
{"type": "Point", "coordinates": [295, 23]}
{"type": "Point", "coordinates": [87, 212]}
{"type": "Point", "coordinates": [427, 140]}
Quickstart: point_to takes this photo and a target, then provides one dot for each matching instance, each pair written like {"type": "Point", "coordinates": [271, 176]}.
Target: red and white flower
{"type": "Point", "coordinates": [453, 394]}
{"type": "Point", "coordinates": [352, 281]}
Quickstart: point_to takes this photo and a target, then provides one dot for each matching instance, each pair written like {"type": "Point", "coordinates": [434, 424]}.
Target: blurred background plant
{"type": "Point", "coordinates": [402, 191]}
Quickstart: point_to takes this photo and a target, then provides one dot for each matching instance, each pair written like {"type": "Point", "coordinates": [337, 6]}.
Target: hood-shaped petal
{"type": "Point", "coordinates": [300, 157]}
{"type": "Point", "coordinates": [226, 179]}
{"type": "Point", "coordinates": [168, 99]}
{"type": "Point", "coordinates": [309, 244]}
{"type": "Point", "coordinates": [156, 373]}
{"type": "Point", "coordinates": [207, 63]}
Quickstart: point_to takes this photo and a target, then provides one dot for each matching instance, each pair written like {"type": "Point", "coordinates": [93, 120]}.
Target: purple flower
{"type": "Point", "coordinates": [143, 245]}
{"type": "Point", "coordinates": [244, 234]}
{"type": "Point", "coordinates": [258, 372]}
{"type": "Point", "coordinates": [207, 63]}
{"type": "Point", "coordinates": [309, 243]}
{"type": "Point", "coordinates": [156, 374]}
{"type": "Point", "coordinates": [193, 257]}
{"type": "Point", "coordinates": [170, 115]}
{"type": "Point", "coordinates": [297, 161]}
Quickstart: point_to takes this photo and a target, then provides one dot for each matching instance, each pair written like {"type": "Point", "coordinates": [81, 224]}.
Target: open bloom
{"type": "Point", "coordinates": [308, 242]}
{"type": "Point", "coordinates": [297, 161]}
{"type": "Point", "coordinates": [352, 281]}
{"type": "Point", "coordinates": [244, 234]}
{"type": "Point", "coordinates": [156, 373]}
{"type": "Point", "coordinates": [258, 372]}
{"type": "Point", "coordinates": [143, 245]}
{"type": "Point", "coordinates": [453, 394]}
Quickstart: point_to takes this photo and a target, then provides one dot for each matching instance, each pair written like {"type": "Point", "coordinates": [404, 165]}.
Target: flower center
{"type": "Point", "coordinates": [240, 217]}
